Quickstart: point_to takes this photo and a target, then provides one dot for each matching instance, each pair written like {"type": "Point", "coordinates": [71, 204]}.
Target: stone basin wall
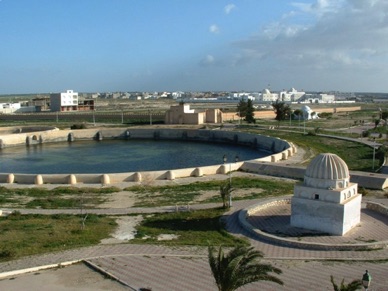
{"type": "Point", "coordinates": [278, 149]}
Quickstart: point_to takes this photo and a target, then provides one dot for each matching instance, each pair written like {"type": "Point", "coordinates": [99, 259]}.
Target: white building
{"type": "Point", "coordinates": [244, 96]}
{"type": "Point", "coordinates": [267, 96]}
{"type": "Point", "coordinates": [307, 113]}
{"type": "Point", "coordinates": [326, 201]}
{"type": "Point", "coordinates": [317, 98]}
{"type": "Point", "coordinates": [292, 95]}
{"type": "Point", "coordinates": [177, 94]}
{"type": "Point", "coordinates": [67, 101]}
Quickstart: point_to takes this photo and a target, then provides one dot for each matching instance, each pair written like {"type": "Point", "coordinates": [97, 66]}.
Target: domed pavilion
{"type": "Point", "coordinates": [326, 201]}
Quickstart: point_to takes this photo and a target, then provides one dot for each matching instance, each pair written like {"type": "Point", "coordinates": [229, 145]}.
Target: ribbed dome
{"type": "Point", "coordinates": [327, 166]}
{"type": "Point", "coordinates": [327, 170]}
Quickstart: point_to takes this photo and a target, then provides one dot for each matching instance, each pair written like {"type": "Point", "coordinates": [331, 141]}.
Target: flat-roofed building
{"type": "Point", "coordinates": [66, 101]}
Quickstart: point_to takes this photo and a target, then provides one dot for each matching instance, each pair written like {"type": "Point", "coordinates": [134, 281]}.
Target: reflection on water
{"type": "Point", "coordinates": [117, 156]}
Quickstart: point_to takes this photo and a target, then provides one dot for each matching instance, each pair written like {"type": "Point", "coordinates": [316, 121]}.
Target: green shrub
{"type": "Point", "coordinates": [78, 126]}
{"type": "Point", "coordinates": [363, 191]}
{"type": "Point", "coordinates": [6, 254]}
{"type": "Point", "coordinates": [327, 115]}
{"type": "Point", "coordinates": [365, 133]}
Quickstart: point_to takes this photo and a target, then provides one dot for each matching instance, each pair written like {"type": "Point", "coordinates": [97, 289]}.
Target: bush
{"type": "Point", "coordinates": [16, 214]}
{"type": "Point", "coordinates": [78, 126]}
{"type": "Point", "coordinates": [363, 191]}
{"type": "Point", "coordinates": [327, 115]}
{"type": "Point", "coordinates": [365, 133]}
{"type": "Point", "coordinates": [6, 255]}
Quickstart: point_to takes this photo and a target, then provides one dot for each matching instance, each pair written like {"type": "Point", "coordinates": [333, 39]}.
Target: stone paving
{"type": "Point", "coordinates": [276, 220]}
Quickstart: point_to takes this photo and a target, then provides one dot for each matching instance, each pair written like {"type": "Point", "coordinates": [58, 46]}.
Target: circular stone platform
{"type": "Point", "coordinates": [270, 221]}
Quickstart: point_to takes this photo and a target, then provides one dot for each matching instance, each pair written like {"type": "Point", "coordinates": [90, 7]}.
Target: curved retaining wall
{"type": "Point", "coordinates": [281, 150]}
{"type": "Point", "coordinates": [245, 213]}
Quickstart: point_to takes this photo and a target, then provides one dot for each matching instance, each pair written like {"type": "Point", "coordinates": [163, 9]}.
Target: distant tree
{"type": "Point", "coordinates": [242, 108]}
{"type": "Point", "coordinates": [282, 110]}
{"type": "Point", "coordinates": [352, 286]}
{"type": "Point", "coordinates": [250, 112]}
{"type": "Point", "coordinates": [377, 122]}
{"type": "Point", "coordinates": [239, 267]}
{"type": "Point", "coordinates": [384, 115]}
{"type": "Point", "coordinates": [298, 113]}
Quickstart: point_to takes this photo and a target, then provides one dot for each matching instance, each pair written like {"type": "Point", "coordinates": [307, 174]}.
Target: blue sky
{"type": "Point", "coordinates": [193, 45]}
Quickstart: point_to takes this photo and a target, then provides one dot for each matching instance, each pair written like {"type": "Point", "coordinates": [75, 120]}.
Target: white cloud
{"type": "Point", "coordinates": [320, 7]}
{"type": "Point", "coordinates": [207, 61]}
{"type": "Point", "coordinates": [214, 28]}
{"type": "Point", "coordinates": [228, 8]}
{"type": "Point", "coordinates": [334, 35]}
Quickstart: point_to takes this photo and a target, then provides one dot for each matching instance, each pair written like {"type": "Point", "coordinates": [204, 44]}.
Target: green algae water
{"type": "Point", "coordinates": [118, 156]}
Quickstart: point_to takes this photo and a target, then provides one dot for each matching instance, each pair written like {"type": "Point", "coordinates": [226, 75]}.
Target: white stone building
{"type": "Point", "coordinates": [326, 201]}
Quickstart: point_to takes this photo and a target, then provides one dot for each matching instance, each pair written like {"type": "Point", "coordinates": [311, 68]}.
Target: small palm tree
{"type": "Point", "coordinates": [352, 286]}
{"type": "Point", "coordinates": [225, 192]}
{"type": "Point", "coordinates": [239, 267]}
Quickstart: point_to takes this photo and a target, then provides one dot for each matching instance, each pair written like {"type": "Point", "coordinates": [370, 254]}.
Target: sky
{"type": "Point", "coordinates": [193, 45]}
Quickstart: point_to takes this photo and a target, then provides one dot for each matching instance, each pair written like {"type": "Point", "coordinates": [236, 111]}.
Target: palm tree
{"type": "Point", "coordinates": [225, 192]}
{"type": "Point", "coordinates": [239, 267]}
{"type": "Point", "coordinates": [352, 286]}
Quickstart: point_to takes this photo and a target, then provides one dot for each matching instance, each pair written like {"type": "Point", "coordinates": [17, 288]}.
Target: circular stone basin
{"type": "Point", "coordinates": [119, 156]}
{"type": "Point", "coordinates": [271, 221]}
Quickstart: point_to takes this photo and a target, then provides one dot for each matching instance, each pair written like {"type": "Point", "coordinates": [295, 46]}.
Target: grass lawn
{"type": "Point", "coordinates": [200, 228]}
{"type": "Point", "coordinates": [60, 197]}
{"type": "Point", "coordinates": [357, 156]}
{"type": "Point", "coordinates": [23, 235]}
{"type": "Point", "coordinates": [153, 196]}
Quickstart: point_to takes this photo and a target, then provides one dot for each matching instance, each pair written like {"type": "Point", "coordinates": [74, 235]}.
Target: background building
{"type": "Point", "coordinates": [182, 114]}
{"type": "Point", "coordinates": [69, 101]}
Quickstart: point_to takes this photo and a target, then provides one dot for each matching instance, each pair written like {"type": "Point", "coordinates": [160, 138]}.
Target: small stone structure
{"type": "Point", "coordinates": [326, 201]}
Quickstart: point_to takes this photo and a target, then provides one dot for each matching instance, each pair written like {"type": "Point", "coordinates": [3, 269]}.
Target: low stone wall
{"type": "Point", "coordinates": [268, 203]}
{"type": "Point", "coordinates": [245, 213]}
{"type": "Point", "coordinates": [377, 207]}
{"type": "Point", "coordinates": [284, 170]}
{"type": "Point", "coordinates": [281, 150]}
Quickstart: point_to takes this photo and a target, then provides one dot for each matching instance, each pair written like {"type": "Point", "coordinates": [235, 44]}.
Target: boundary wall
{"type": "Point", "coordinates": [270, 114]}
{"type": "Point", "coordinates": [278, 149]}
{"type": "Point", "coordinates": [284, 170]}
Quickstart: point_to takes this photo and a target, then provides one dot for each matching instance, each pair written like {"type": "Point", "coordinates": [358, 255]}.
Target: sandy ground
{"type": "Point", "coordinates": [125, 230]}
